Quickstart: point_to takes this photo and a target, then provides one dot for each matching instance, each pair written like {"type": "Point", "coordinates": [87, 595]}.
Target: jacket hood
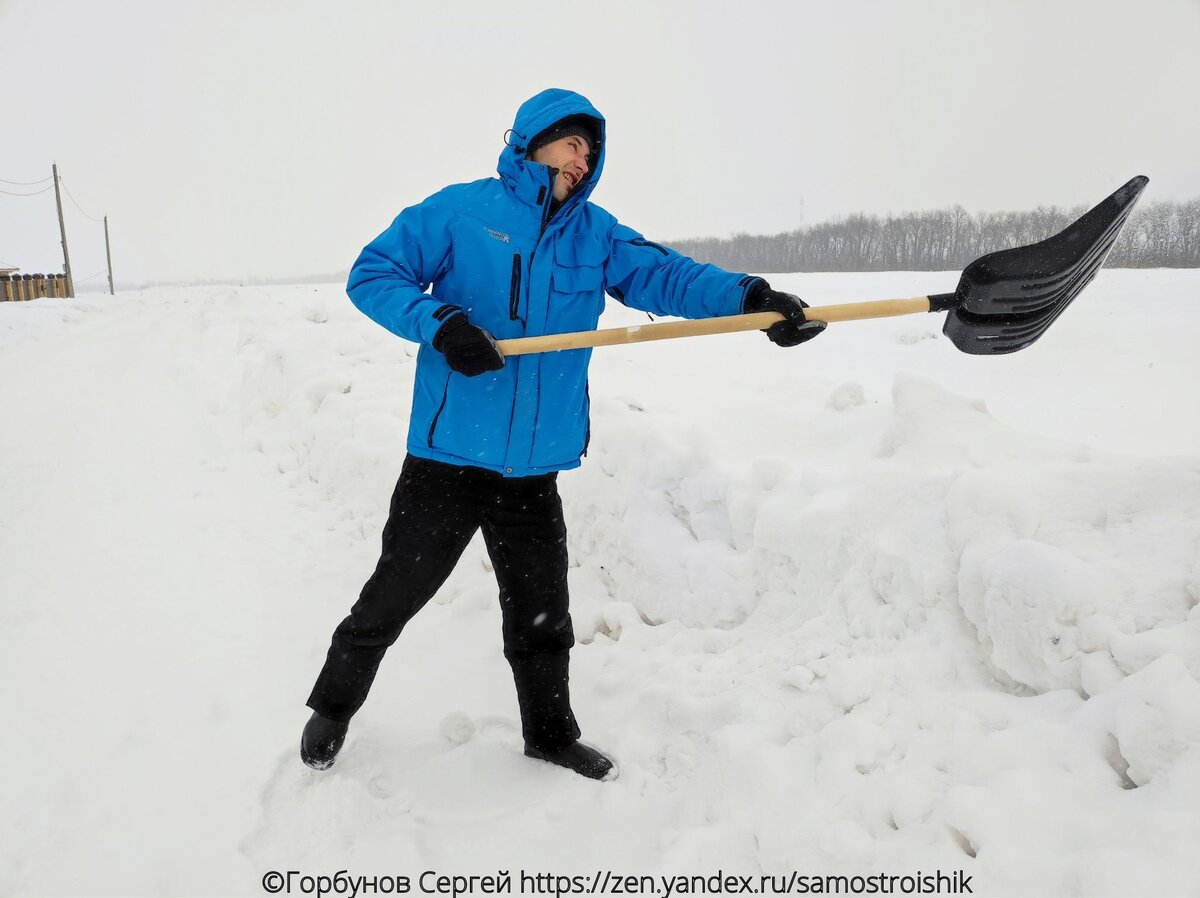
{"type": "Point", "coordinates": [536, 115]}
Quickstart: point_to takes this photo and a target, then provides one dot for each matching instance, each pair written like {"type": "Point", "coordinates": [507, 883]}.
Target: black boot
{"type": "Point", "coordinates": [583, 759]}
{"type": "Point", "coordinates": [322, 740]}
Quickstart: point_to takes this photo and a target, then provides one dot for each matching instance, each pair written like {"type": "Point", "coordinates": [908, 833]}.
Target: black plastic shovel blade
{"type": "Point", "coordinates": [1006, 300]}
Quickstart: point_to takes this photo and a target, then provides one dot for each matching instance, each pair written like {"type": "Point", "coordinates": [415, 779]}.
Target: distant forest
{"type": "Point", "coordinates": [1157, 235]}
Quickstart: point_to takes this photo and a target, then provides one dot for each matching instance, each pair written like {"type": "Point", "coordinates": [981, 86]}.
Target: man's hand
{"type": "Point", "coordinates": [794, 329]}
{"type": "Point", "coordinates": [468, 349]}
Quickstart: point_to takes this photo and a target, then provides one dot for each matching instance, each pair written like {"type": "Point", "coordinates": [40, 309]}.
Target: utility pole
{"type": "Point", "coordinates": [108, 255]}
{"type": "Point", "coordinates": [62, 229]}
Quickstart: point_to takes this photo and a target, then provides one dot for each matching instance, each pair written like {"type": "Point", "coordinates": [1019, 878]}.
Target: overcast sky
{"type": "Point", "coordinates": [273, 139]}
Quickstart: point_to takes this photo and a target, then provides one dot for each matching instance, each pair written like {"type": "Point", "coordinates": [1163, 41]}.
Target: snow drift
{"type": "Point", "coordinates": [866, 605]}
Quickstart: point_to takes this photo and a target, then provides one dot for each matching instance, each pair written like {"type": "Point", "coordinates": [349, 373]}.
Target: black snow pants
{"type": "Point", "coordinates": [435, 511]}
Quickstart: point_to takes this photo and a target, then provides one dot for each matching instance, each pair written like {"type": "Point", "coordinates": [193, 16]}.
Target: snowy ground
{"type": "Point", "coordinates": [870, 605]}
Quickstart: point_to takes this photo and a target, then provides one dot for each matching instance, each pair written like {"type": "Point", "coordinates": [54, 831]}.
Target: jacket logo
{"type": "Point", "coordinates": [497, 235]}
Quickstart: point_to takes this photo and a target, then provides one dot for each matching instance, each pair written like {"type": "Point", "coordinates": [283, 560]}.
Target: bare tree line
{"type": "Point", "coordinates": [1157, 235]}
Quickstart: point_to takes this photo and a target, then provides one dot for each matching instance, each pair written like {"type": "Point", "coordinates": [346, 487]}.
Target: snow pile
{"type": "Point", "coordinates": [866, 606]}
{"type": "Point", "coordinates": [23, 321]}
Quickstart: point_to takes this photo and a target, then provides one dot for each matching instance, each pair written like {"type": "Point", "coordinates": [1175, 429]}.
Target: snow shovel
{"type": "Point", "coordinates": [1004, 301]}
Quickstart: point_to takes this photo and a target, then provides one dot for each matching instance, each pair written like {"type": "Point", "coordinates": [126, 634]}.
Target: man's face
{"type": "Point", "coordinates": [570, 156]}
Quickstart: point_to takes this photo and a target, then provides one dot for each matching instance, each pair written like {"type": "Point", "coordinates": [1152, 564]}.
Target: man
{"type": "Point", "coordinates": [522, 255]}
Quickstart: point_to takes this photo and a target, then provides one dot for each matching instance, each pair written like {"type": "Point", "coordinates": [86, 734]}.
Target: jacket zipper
{"type": "Point", "coordinates": [514, 291]}
{"type": "Point", "coordinates": [640, 242]}
{"type": "Point", "coordinates": [545, 207]}
{"type": "Point", "coordinates": [438, 414]}
{"type": "Point", "coordinates": [544, 203]}
{"type": "Point", "coordinates": [587, 437]}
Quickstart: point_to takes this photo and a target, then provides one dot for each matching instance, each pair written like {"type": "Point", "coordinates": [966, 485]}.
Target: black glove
{"type": "Point", "coordinates": [468, 349]}
{"type": "Point", "coordinates": [794, 330]}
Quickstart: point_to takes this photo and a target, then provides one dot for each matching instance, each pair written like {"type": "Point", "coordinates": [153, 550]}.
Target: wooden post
{"type": "Point", "coordinates": [108, 255]}
{"type": "Point", "coordinates": [62, 229]}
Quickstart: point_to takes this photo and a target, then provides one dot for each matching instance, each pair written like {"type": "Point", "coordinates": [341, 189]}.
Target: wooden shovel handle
{"type": "Point", "coordinates": [669, 330]}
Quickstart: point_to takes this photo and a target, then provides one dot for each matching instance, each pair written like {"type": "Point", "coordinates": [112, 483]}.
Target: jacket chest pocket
{"type": "Point", "coordinates": [577, 281]}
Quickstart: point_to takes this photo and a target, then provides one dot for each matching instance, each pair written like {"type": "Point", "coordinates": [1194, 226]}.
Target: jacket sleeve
{"type": "Point", "coordinates": [392, 273]}
{"type": "Point", "coordinates": [653, 278]}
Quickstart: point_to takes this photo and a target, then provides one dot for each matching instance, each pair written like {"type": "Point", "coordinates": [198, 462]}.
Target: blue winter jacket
{"type": "Point", "coordinates": [491, 249]}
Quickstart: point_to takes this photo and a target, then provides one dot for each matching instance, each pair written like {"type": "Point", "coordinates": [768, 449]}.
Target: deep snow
{"type": "Point", "coordinates": [869, 605]}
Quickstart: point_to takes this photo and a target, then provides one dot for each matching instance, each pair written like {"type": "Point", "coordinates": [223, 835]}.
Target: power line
{"type": "Point", "coordinates": [25, 183]}
{"type": "Point", "coordinates": [58, 182]}
{"type": "Point", "coordinates": [76, 202]}
{"type": "Point", "coordinates": [35, 193]}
